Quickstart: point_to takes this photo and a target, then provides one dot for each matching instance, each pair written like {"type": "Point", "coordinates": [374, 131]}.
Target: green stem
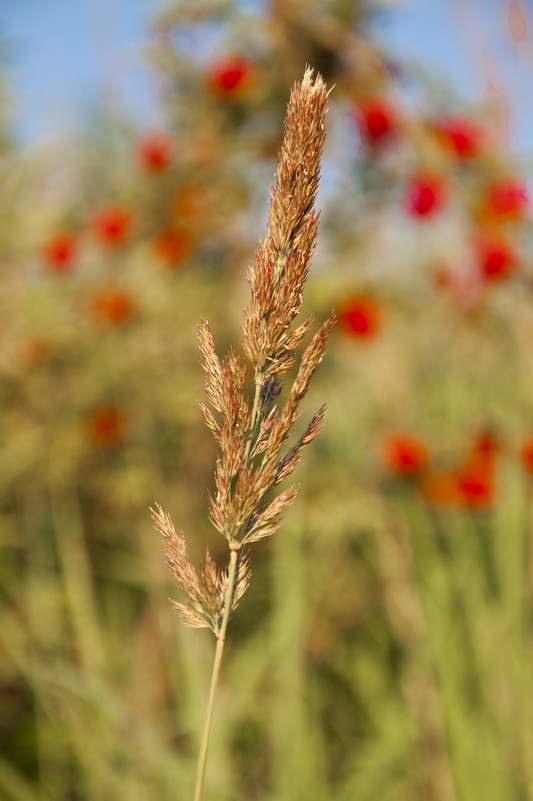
{"type": "Point", "coordinates": [472, 680]}
{"type": "Point", "coordinates": [411, 506]}
{"type": "Point", "coordinates": [221, 636]}
{"type": "Point", "coordinates": [484, 532]}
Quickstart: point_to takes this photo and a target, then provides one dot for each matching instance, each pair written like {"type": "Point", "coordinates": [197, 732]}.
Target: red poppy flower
{"type": "Point", "coordinates": [526, 454]}
{"type": "Point", "coordinates": [105, 426]}
{"type": "Point", "coordinates": [359, 317]}
{"type": "Point", "coordinates": [60, 252]}
{"type": "Point", "coordinates": [230, 75]}
{"type": "Point", "coordinates": [461, 136]}
{"type": "Point", "coordinates": [112, 225]}
{"type": "Point", "coordinates": [506, 199]}
{"type": "Point", "coordinates": [475, 484]}
{"type": "Point", "coordinates": [425, 195]}
{"type": "Point", "coordinates": [155, 151]}
{"type": "Point", "coordinates": [497, 257]}
{"type": "Point", "coordinates": [403, 454]}
{"type": "Point", "coordinates": [173, 245]}
{"type": "Point", "coordinates": [472, 484]}
{"type": "Point", "coordinates": [376, 119]}
{"type": "Point", "coordinates": [112, 306]}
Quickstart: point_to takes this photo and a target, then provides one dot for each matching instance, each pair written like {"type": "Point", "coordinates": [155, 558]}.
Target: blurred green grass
{"type": "Point", "coordinates": [362, 662]}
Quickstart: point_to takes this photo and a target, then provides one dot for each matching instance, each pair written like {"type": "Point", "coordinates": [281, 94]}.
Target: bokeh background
{"type": "Point", "coordinates": [383, 650]}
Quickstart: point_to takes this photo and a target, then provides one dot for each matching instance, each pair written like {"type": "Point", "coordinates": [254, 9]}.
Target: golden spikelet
{"type": "Point", "coordinates": [251, 432]}
{"type": "Point", "coordinates": [206, 592]}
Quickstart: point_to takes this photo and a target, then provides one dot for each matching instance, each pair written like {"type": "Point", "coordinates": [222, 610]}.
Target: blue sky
{"type": "Point", "coordinates": [471, 42]}
{"type": "Point", "coordinates": [63, 54]}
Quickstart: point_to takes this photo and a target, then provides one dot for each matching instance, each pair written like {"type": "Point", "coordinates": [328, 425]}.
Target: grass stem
{"type": "Point", "coordinates": [202, 758]}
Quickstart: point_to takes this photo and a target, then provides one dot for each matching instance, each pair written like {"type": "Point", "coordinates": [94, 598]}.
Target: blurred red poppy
{"type": "Point", "coordinates": [475, 484]}
{"type": "Point", "coordinates": [112, 306]}
{"type": "Point", "coordinates": [173, 245]}
{"type": "Point", "coordinates": [376, 119]}
{"type": "Point", "coordinates": [155, 151]}
{"type": "Point", "coordinates": [497, 257]}
{"type": "Point", "coordinates": [472, 484]}
{"type": "Point", "coordinates": [112, 225]}
{"type": "Point", "coordinates": [60, 252]}
{"type": "Point", "coordinates": [403, 454]}
{"type": "Point", "coordinates": [105, 426]}
{"type": "Point", "coordinates": [461, 136]}
{"type": "Point", "coordinates": [230, 75]}
{"type": "Point", "coordinates": [359, 317]}
{"type": "Point", "coordinates": [506, 199]}
{"type": "Point", "coordinates": [425, 194]}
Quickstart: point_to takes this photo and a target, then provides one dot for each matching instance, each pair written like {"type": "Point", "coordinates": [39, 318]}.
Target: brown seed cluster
{"type": "Point", "coordinates": [281, 267]}
{"type": "Point", "coordinates": [205, 592]}
{"type": "Point", "coordinates": [252, 435]}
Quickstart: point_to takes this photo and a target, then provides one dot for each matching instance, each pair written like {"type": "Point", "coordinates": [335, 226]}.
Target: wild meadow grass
{"type": "Point", "coordinates": [363, 662]}
{"type": "Point", "coordinates": [252, 434]}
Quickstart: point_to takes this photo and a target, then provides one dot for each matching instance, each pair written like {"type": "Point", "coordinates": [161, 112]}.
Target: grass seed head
{"type": "Point", "coordinates": [253, 457]}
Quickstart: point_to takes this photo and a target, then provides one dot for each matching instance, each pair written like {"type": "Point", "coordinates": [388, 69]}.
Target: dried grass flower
{"type": "Point", "coordinates": [253, 431]}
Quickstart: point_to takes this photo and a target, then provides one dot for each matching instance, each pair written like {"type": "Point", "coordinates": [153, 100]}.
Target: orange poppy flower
{"type": "Point", "coordinates": [403, 454]}
{"type": "Point", "coordinates": [426, 194]}
{"type": "Point", "coordinates": [60, 252]}
{"type": "Point", "coordinates": [506, 199]}
{"type": "Point", "coordinates": [376, 119]}
{"type": "Point", "coordinates": [112, 225]}
{"type": "Point", "coordinates": [155, 151]}
{"type": "Point", "coordinates": [112, 306]}
{"type": "Point", "coordinates": [106, 426]}
{"type": "Point", "coordinates": [359, 317]}
{"type": "Point", "coordinates": [230, 75]}
{"type": "Point", "coordinates": [173, 245]}
{"type": "Point", "coordinates": [463, 137]}
{"type": "Point", "coordinates": [476, 485]}
{"type": "Point", "coordinates": [497, 257]}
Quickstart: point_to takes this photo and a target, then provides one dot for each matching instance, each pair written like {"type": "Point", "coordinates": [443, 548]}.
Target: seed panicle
{"type": "Point", "coordinates": [253, 457]}
{"type": "Point", "coordinates": [281, 266]}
